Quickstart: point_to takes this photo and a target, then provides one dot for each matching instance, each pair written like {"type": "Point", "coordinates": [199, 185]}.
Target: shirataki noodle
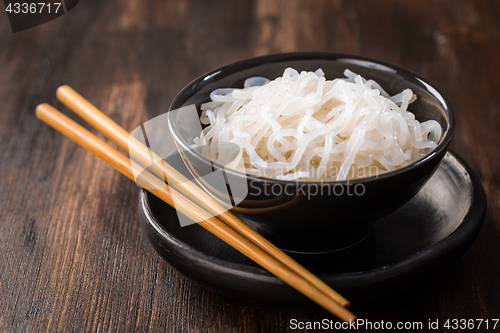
{"type": "Point", "coordinates": [302, 126]}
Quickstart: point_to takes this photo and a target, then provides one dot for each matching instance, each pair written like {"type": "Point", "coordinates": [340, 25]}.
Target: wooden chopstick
{"type": "Point", "coordinates": [122, 138]}
{"type": "Point", "coordinates": [157, 187]}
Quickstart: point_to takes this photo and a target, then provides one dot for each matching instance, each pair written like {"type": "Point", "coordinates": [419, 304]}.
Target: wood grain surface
{"type": "Point", "coordinates": [72, 255]}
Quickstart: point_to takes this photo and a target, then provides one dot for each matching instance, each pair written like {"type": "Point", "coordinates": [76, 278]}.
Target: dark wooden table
{"type": "Point", "coordinates": [72, 255]}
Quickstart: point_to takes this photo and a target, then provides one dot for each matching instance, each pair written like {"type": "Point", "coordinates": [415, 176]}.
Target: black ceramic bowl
{"type": "Point", "coordinates": [319, 216]}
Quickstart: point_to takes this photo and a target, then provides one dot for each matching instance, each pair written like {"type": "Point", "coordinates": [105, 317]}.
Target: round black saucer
{"type": "Point", "coordinates": [435, 227]}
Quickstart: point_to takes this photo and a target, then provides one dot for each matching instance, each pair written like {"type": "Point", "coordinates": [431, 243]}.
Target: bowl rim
{"type": "Point", "coordinates": [234, 67]}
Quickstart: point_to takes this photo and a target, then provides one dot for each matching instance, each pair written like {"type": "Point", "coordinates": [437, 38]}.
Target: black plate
{"type": "Point", "coordinates": [437, 226]}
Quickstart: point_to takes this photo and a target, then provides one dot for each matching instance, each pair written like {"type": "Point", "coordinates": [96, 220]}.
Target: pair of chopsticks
{"type": "Point", "coordinates": [193, 202]}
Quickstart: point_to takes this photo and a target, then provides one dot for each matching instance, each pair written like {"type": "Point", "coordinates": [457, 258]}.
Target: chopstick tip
{"type": "Point", "coordinates": [62, 89]}
{"type": "Point", "coordinates": [349, 316]}
{"type": "Point", "coordinates": [41, 108]}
